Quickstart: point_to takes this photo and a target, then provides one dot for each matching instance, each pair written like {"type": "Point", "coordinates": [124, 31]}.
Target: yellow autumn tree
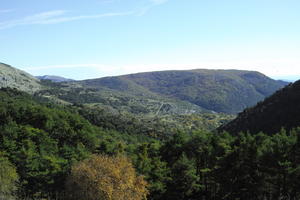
{"type": "Point", "coordinates": [103, 177]}
{"type": "Point", "coordinates": [8, 178]}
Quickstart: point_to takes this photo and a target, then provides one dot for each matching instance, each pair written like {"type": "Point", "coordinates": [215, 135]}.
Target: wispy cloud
{"type": "Point", "coordinates": [55, 17]}
{"type": "Point", "coordinates": [60, 16]}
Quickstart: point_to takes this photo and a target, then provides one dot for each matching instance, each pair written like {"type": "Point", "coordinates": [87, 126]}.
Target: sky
{"type": "Point", "coordinates": [96, 38]}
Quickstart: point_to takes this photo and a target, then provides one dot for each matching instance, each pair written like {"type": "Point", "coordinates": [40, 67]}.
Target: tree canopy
{"type": "Point", "coordinates": [105, 178]}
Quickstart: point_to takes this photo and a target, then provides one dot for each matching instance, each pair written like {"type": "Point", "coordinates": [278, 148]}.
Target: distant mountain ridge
{"type": "Point", "coordinates": [228, 91]}
{"type": "Point", "coordinates": [54, 78]}
{"type": "Point", "coordinates": [281, 110]}
{"type": "Point", "coordinates": [162, 92]}
{"type": "Point", "coordinates": [291, 78]}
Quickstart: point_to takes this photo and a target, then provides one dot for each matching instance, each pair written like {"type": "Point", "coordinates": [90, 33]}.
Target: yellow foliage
{"type": "Point", "coordinates": [105, 178]}
{"type": "Point", "coordinates": [8, 178]}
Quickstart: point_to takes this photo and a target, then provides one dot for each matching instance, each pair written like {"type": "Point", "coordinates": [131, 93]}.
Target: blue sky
{"type": "Point", "coordinates": [95, 38]}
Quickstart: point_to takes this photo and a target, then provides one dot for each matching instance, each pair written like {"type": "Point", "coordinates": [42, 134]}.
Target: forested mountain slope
{"type": "Point", "coordinates": [139, 111]}
{"type": "Point", "coordinates": [129, 98]}
{"type": "Point", "coordinates": [228, 91]}
{"type": "Point", "coordinates": [164, 92]}
{"type": "Point", "coordinates": [44, 140]}
{"type": "Point", "coordinates": [41, 141]}
{"type": "Point", "coordinates": [279, 110]}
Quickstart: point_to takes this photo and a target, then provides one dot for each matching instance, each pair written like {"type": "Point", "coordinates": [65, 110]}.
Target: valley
{"type": "Point", "coordinates": [149, 100]}
{"type": "Point", "coordinates": [179, 131]}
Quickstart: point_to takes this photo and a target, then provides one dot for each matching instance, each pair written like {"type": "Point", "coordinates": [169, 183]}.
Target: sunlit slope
{"type": "Point", "coordinates": [14, 78]}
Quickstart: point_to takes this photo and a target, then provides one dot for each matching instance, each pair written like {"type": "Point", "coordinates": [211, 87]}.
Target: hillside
{"type": "Point", "coordinates": [134, 110]}
{"type": "Point", "coordinates": [160, 127]}
{"type": "Point", "coordinates": [14, 78]}
{"type": "Point", "coordinates": [279, 110]}
{"type": "Point", "coordinates": [227, 91]}
{"type": "Point", "coordinates": [153, 93]}
{"type": "Point", "coordinates": [118, 95]}
{"type": "Point", "coordinates": [42, 142]}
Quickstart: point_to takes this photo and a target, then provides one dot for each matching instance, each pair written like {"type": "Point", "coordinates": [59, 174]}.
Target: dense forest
{"type": "Point", "coordinates": [50, 151]}
{"type": "Point", "coordinates": [279, 110]}
{"type": "Point", "coordinates": [149, 100]}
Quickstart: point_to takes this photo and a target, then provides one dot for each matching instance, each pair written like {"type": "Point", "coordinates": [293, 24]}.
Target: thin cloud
{"type": "Point", "coordinates": [59, 16]}
{"type": "Point", "coordinates": [55, 17]}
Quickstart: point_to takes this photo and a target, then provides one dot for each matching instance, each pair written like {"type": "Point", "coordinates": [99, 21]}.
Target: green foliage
{"type": "Point", "coordinates": [147, 160]}
{"type": "Point", "coordinates": [228, 91]}
{"type": "Point", "coordinates": [161, 126]}
{"type": "Point", "coordinates": [184, 179]}
{"type": "Point", "coordinates": [43, 142]}
{"type": "Point", "coordinates": [279, 110]}
{"type": "Point", "coordinates": [246, 166]}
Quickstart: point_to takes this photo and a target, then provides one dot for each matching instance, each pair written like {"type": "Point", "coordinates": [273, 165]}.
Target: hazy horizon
{"type": "Point", "coordinates": [291, 78]}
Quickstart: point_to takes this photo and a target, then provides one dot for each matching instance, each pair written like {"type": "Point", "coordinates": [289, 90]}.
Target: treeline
{"type": "Point", "coordinates": [211, 166]}
{"type": "Point", "coordinates": [46, 150]}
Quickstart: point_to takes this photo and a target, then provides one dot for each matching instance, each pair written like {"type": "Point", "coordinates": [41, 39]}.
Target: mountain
{"type": "Point", "coordinates": [54, 78]}
{"type": "Point", "coordinates": [15, 78]}
{"type": "Point", "coordinates": [281, 110]}
{"type": "Point", "coordinates": [227, 91]}
{"type": "Point", "coordinates": [154, 93]}
{"type": "Point", "coordinates": [117, 96]}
